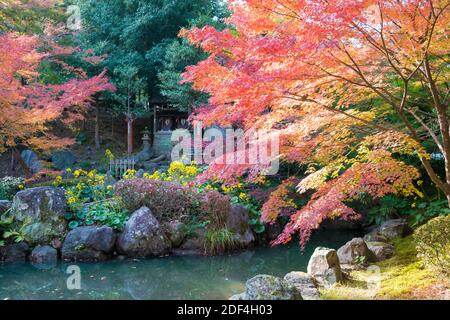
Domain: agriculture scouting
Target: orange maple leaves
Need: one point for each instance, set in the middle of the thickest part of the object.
(26, 106)
(301, 66)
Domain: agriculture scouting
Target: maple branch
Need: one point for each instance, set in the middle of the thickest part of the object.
(303, 99)
(427, 128)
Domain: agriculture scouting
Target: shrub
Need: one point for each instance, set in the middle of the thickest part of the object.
(9, 186)
(241, 194)
(423, 211)
(433, 243)
(216, 207)
(168, 201)
(171, 201)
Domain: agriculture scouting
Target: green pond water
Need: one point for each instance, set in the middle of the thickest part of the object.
(164, 278)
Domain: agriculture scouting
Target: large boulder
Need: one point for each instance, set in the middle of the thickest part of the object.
(40, 211)
(90, 243)
(389, 230)
(176, 232)
(393, 229)
(355, 252)
(16, 252)
(32, 161)
(237, 223)
(375, 236)
(324, 267)
(265, 287)
(381, 250)
(305, 284)
(143, 236)
(238, 297)
(44, 256)
(5, 205)
(62, 160)
(193, 245)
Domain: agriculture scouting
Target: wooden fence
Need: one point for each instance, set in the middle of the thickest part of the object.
(119, 167)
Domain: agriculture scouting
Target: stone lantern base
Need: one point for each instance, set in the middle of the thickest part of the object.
(162, 144)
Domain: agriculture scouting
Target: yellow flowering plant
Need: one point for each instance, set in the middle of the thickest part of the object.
(85, 187)
(130, 174)
(178, 172)
(91, 201)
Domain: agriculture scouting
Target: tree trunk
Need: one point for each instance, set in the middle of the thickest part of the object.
(129, 121)
(444, 125)
(130, 135)
(13, 162)
(26, 170)
(97, 130)
(112, 126)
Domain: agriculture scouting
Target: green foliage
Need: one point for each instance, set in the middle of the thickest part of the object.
(388, 206)
(90, 201)
(30, 19)
(191, 227)
(110, 213)
(85, 165)
(10, 231)
(433, 243)
(404, 277)
(361, 260)
(426, 210)
(9, 186)
(81, 137)
(417, 212)
(136, 36)
(178, 55)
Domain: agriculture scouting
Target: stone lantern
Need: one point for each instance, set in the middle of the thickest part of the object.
(146, 139)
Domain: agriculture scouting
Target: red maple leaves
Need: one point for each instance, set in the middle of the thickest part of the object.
(27, 106)
(300, 66)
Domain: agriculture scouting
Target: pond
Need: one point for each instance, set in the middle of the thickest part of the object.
(205, 278)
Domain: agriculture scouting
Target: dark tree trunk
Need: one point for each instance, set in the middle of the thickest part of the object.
(13, 162)
(26, 170)
(130, 135)
(97, 130)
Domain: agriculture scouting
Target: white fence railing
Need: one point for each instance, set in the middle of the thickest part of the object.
(119, 167)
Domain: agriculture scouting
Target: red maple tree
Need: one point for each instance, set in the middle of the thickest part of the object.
(302, 66)
(28, 107)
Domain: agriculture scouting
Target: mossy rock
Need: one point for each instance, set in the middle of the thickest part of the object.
(39, 214)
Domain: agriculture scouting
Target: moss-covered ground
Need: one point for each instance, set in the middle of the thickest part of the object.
(404, 276)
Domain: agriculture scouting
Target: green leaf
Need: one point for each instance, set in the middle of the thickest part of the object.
(73, 225)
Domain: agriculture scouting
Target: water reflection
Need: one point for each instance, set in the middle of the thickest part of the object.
(166, 278)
